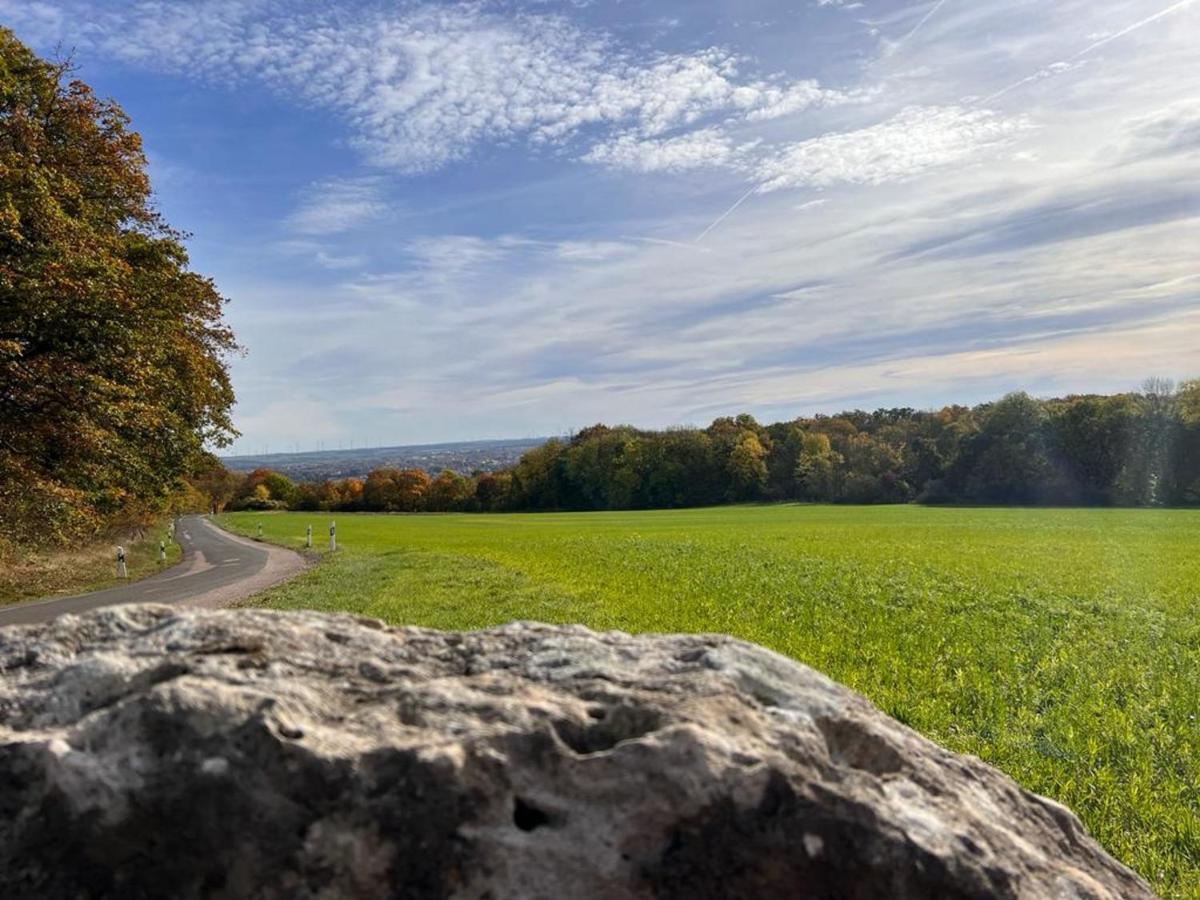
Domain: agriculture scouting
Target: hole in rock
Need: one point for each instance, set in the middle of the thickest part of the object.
(621, 723)
(852, 743)
(527, 817)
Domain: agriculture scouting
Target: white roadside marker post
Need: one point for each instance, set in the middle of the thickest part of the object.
(259, 532)
(122, 572)
(162, 552)
(332, 536)
(308, 537)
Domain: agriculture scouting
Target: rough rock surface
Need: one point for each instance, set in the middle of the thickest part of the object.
(157, 752)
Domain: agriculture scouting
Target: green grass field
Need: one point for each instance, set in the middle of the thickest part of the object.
(1061, 645)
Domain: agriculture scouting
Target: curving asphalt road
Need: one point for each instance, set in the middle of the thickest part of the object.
(216, 569)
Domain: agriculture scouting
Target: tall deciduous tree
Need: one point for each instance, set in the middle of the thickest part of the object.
(1092, 437)
(113, 353)
(1006, 461)
(816, 467)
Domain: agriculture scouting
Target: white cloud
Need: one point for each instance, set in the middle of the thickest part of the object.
(912, 141)
(423, 85)
(458, 252)
(291, 421)
(337, 205)
(1172, 129)
(328, 260)
(702, 149)
(1113, 358)
(324, 257)
(591, 251)
(773, 102)
(39, 20)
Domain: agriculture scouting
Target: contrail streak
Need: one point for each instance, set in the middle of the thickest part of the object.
(1049, 70)
(929, 15)
(725, 215)
(1043, 72)
(1124, 31)
(666, 243)
(1040, 73)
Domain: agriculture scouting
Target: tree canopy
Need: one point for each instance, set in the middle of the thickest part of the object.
(113, 354)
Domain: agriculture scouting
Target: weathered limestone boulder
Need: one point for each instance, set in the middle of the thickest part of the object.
(154, 752)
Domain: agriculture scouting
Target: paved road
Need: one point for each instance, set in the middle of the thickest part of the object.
(213, 564)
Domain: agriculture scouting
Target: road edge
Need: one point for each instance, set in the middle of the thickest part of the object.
(282, 565)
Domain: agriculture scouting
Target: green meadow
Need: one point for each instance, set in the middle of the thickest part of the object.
(1062, 646)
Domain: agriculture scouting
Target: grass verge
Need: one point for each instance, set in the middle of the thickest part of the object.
(76, 570)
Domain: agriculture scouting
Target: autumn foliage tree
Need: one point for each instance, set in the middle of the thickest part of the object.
(450, 492)
(215, 485)
(395, 490)
(113, 353)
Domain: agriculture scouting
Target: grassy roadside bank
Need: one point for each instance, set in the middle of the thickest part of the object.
(1062, 646)
(76, 570)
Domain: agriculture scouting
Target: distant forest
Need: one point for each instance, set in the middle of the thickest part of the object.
(1133, 449)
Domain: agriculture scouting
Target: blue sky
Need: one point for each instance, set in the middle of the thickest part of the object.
(441, 221)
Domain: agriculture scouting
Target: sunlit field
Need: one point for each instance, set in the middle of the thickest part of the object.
(1061, 645)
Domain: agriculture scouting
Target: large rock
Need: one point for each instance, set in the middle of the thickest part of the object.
(153, 752)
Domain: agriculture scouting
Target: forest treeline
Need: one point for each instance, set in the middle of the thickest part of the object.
(1133, 449)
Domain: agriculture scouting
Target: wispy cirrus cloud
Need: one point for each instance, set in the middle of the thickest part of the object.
(337, 205)
(907, 144)
(1172, 129)
(914, 140)
(424, 85)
